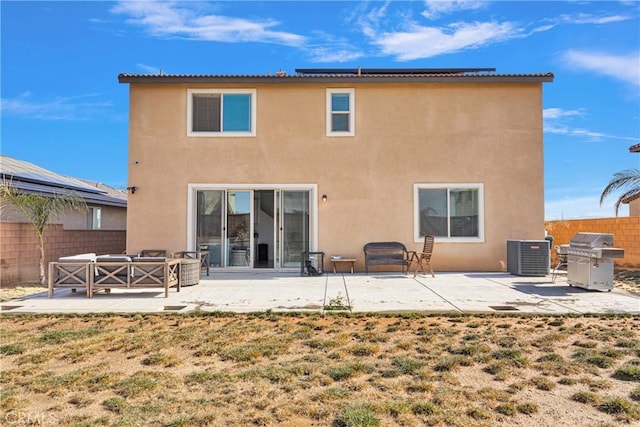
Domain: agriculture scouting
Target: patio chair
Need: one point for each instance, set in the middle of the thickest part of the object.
(562, 261)
(423, 258)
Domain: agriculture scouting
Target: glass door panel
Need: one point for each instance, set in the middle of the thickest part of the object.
(209, 224)
(295, 227)
(264, 223)
(239, 228)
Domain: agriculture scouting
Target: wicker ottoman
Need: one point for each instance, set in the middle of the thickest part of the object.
(189, 272)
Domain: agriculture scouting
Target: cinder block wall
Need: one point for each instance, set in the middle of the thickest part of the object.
(626, 233)
(20, 256)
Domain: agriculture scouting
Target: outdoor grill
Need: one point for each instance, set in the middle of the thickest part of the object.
(590, 261)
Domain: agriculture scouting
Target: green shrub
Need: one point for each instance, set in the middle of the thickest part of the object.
(408, 365)
(347, 370)
(506, 409)
(425, 408)
(527, 408)
(586, 397)
(617, 405)
(360, 415)
(115, 404)
(628, 373)
(11, 349)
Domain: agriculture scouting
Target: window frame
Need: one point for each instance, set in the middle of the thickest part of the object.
(352, 111)
(449, 186)
(222, 133)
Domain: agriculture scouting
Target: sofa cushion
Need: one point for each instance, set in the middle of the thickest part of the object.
(113, 258)
(88, 257)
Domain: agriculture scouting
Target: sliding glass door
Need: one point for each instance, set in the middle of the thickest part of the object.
(295, 226)
(253, 228)
(239, 228)
(210, 220)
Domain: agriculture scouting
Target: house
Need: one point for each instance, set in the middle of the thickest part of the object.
(256, 169)
(100, 229)
(633, 202)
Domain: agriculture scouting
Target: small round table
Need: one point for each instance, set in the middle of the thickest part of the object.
(189, 272)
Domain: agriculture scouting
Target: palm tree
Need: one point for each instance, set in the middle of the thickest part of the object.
(39, 210)
(629, 180)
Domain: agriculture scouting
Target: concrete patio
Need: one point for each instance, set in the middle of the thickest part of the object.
(378, 292)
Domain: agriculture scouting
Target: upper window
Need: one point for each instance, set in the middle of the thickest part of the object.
(449, 211)
(221, 112)
(340, 112)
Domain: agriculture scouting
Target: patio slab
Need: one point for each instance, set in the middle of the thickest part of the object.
(258, 291)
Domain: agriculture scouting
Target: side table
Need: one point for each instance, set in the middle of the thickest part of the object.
(189, 272)
(202, 256)
(336, 261)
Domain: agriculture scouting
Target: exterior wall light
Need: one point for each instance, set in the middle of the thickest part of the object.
(324, 197)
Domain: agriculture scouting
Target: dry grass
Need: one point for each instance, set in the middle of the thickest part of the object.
(336, 370)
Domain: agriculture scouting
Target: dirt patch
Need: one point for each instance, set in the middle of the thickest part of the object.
(18, 291)
(627, 280)
(311, 370)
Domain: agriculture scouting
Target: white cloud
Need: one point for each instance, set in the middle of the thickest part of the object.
(333, 54)
(436, 8)
(620, 67)
(60, 108)
(425, 42)
(561, 122)
(556, 113)
(584, 18)
(148, 69)
(191, 20)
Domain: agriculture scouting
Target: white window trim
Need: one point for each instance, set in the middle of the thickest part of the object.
(416, 211)
(352, 111)
(222, 134)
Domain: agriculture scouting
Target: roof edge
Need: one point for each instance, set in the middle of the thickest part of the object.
(336, 78)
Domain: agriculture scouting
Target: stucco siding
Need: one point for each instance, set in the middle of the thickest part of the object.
(405, 134)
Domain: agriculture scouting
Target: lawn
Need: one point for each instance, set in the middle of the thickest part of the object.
(223, 369)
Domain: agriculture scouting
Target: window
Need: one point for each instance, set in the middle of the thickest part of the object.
(340, 112)
(449, 211)
(216, 112)
(94, 218)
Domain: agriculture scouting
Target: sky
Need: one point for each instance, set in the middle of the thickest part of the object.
(63, 109)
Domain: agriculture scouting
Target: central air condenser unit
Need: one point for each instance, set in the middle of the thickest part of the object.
(528, 257)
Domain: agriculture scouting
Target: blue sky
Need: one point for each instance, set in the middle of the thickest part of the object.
(63, 109)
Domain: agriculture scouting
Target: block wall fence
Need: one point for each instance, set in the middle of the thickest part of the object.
(626, 232)
(20, 256)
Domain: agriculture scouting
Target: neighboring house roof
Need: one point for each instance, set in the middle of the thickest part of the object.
(630, 199)
(30, 178)
(635, 148)
(333, 75)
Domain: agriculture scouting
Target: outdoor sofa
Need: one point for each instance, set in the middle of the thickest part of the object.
(386, 253)
(95, 273)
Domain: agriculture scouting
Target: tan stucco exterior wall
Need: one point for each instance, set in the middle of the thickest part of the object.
(488, 133)
(634, 207)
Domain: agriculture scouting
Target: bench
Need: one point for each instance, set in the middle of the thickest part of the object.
(114, 271)
(385, 253)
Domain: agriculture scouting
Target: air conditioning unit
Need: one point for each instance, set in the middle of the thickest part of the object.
(528, 257)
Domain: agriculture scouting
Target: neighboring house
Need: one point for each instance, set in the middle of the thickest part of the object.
(258, 168)
(633, 202)
(107, 207)
(100, 229)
